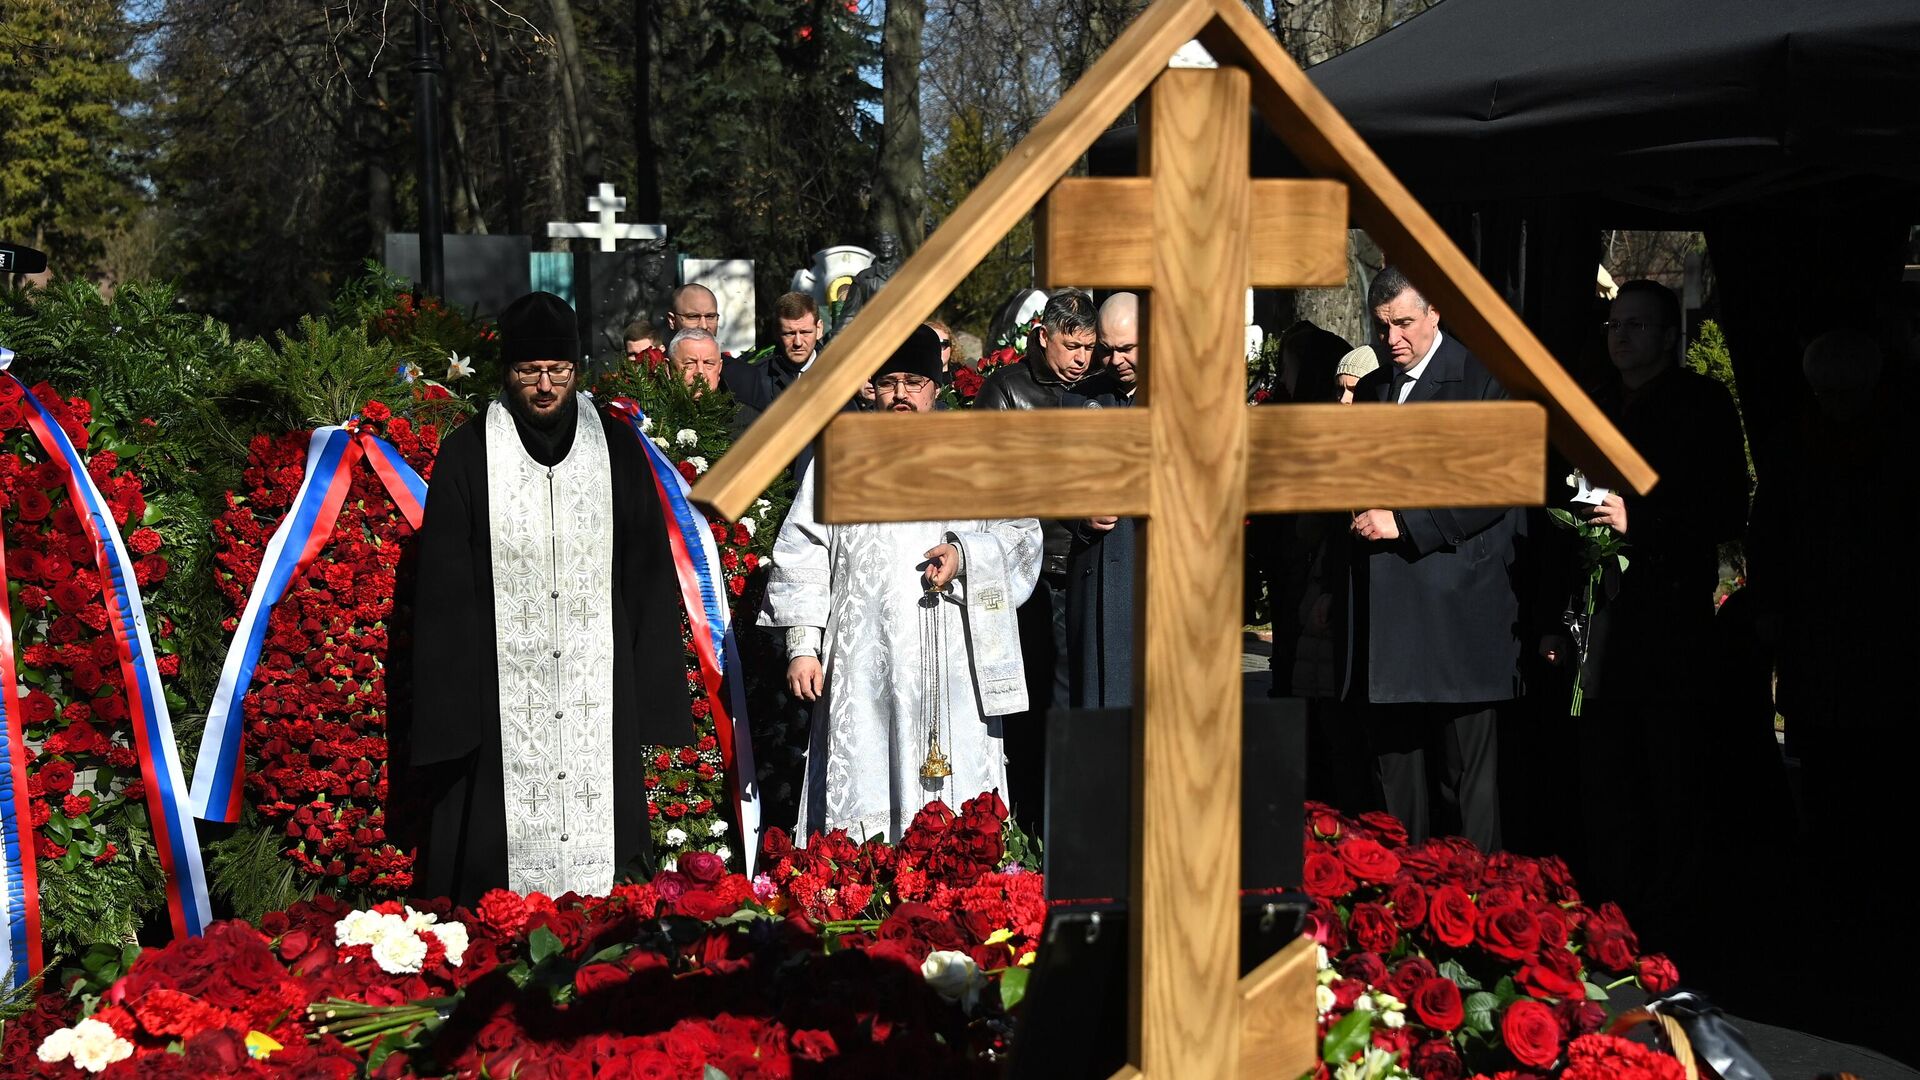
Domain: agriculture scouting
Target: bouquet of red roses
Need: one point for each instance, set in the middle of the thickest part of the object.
(1445, 959)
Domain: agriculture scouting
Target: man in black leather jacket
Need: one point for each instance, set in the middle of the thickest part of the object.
(1059, 358)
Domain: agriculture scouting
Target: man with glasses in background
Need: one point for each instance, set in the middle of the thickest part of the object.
(692, 306)
(547, 615)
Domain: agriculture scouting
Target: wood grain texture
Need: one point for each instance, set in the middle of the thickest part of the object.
(1278, 1033)
(1065, 463)
(999, 202)
(1305, 458)
(1310, 126)
(1186, 798)
(1091, 234)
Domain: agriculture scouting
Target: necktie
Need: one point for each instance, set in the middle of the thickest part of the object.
(1401, 380)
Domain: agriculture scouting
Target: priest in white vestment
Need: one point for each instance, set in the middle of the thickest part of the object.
(547, 650)
(903, 635)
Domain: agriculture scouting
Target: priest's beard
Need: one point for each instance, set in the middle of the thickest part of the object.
(546, 436)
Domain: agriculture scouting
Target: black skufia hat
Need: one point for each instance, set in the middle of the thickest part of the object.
(918, 355)
(539, 326)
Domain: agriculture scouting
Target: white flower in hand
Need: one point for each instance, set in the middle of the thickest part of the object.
(458, 367)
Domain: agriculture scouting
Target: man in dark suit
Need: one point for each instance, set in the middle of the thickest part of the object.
(1436, 619)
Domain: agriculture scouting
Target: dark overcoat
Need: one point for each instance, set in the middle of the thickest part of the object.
(1436, 613)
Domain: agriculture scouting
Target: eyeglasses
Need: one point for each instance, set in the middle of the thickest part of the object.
(559, 376)
(946, 343)
(688, 316)
(912, 384)
(1633, 326)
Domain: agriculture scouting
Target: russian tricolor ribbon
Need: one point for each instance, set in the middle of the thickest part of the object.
(703, 591)
(21, 950)
(166, 787)
(219, 776)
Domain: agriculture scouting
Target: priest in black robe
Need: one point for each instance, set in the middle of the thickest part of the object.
(547, 648)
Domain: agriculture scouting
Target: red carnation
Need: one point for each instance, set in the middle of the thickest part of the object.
(76, 805)
(144, 541)
(376, 411)
(504, 911)
(1531, 1033)
(1437, 1003)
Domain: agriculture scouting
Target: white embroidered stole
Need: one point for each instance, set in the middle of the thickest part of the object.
(551, 533)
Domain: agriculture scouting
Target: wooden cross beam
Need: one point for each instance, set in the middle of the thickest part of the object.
(1193, 459)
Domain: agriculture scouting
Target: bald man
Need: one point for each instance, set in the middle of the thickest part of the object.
(693, 307)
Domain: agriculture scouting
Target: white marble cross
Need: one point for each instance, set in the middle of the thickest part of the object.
(606, 230)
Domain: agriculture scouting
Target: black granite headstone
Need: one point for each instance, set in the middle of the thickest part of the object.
(612, 289)
(484, 273)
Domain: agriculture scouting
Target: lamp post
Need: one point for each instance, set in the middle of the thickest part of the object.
(426, 68)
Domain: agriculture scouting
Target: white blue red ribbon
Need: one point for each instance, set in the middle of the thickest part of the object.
(167, 794)
(20, 946)
(703, 590)
(219, 776)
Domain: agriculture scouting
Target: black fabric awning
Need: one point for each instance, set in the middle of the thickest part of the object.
(1678, 105)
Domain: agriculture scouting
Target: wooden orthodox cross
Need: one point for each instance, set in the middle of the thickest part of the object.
(1195, 460)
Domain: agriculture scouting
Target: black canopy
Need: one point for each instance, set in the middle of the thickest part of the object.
(1682, 106)
(1661, 104)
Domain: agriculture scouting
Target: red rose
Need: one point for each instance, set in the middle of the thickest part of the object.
(1510, 933)
(1542, 981)
(1366, 966)
(705, 905)
(1436, 1059)
(593, 977)
(1437, 1004)
(1368, 861)
(39, 707)
(1409, 976)
(1450, 915)
(1326, 877)
(812, 1045)
(1373, 928)
(1385, 826)
(1531, 1033)
(1580, 1017)
(702, 867)
(1325, 823)
(1657, 974)
(1409, 904)
(57, 776)
(33, 505)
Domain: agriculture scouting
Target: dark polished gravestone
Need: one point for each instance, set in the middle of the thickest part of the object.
(484, 273)
(1073, 1025)
(614, 288)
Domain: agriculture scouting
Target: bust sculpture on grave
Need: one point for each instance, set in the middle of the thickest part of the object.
(886, 263)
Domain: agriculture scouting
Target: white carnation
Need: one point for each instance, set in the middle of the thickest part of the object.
(724, 852)
(699, 463)
(686, 436)
(453, 937)
(748, 524)
(91, 1044)
(646, 424)
(359, 928)
(399, 951)
(758, 504)
(676, 836)
(716, 828)
(420, 920)
(670, 864)
(658, 441)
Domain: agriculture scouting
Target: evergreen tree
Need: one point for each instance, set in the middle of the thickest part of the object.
(69, 158)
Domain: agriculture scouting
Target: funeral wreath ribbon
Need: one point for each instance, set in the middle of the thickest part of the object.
(332, 452)
(167, 796)
(702, 591)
